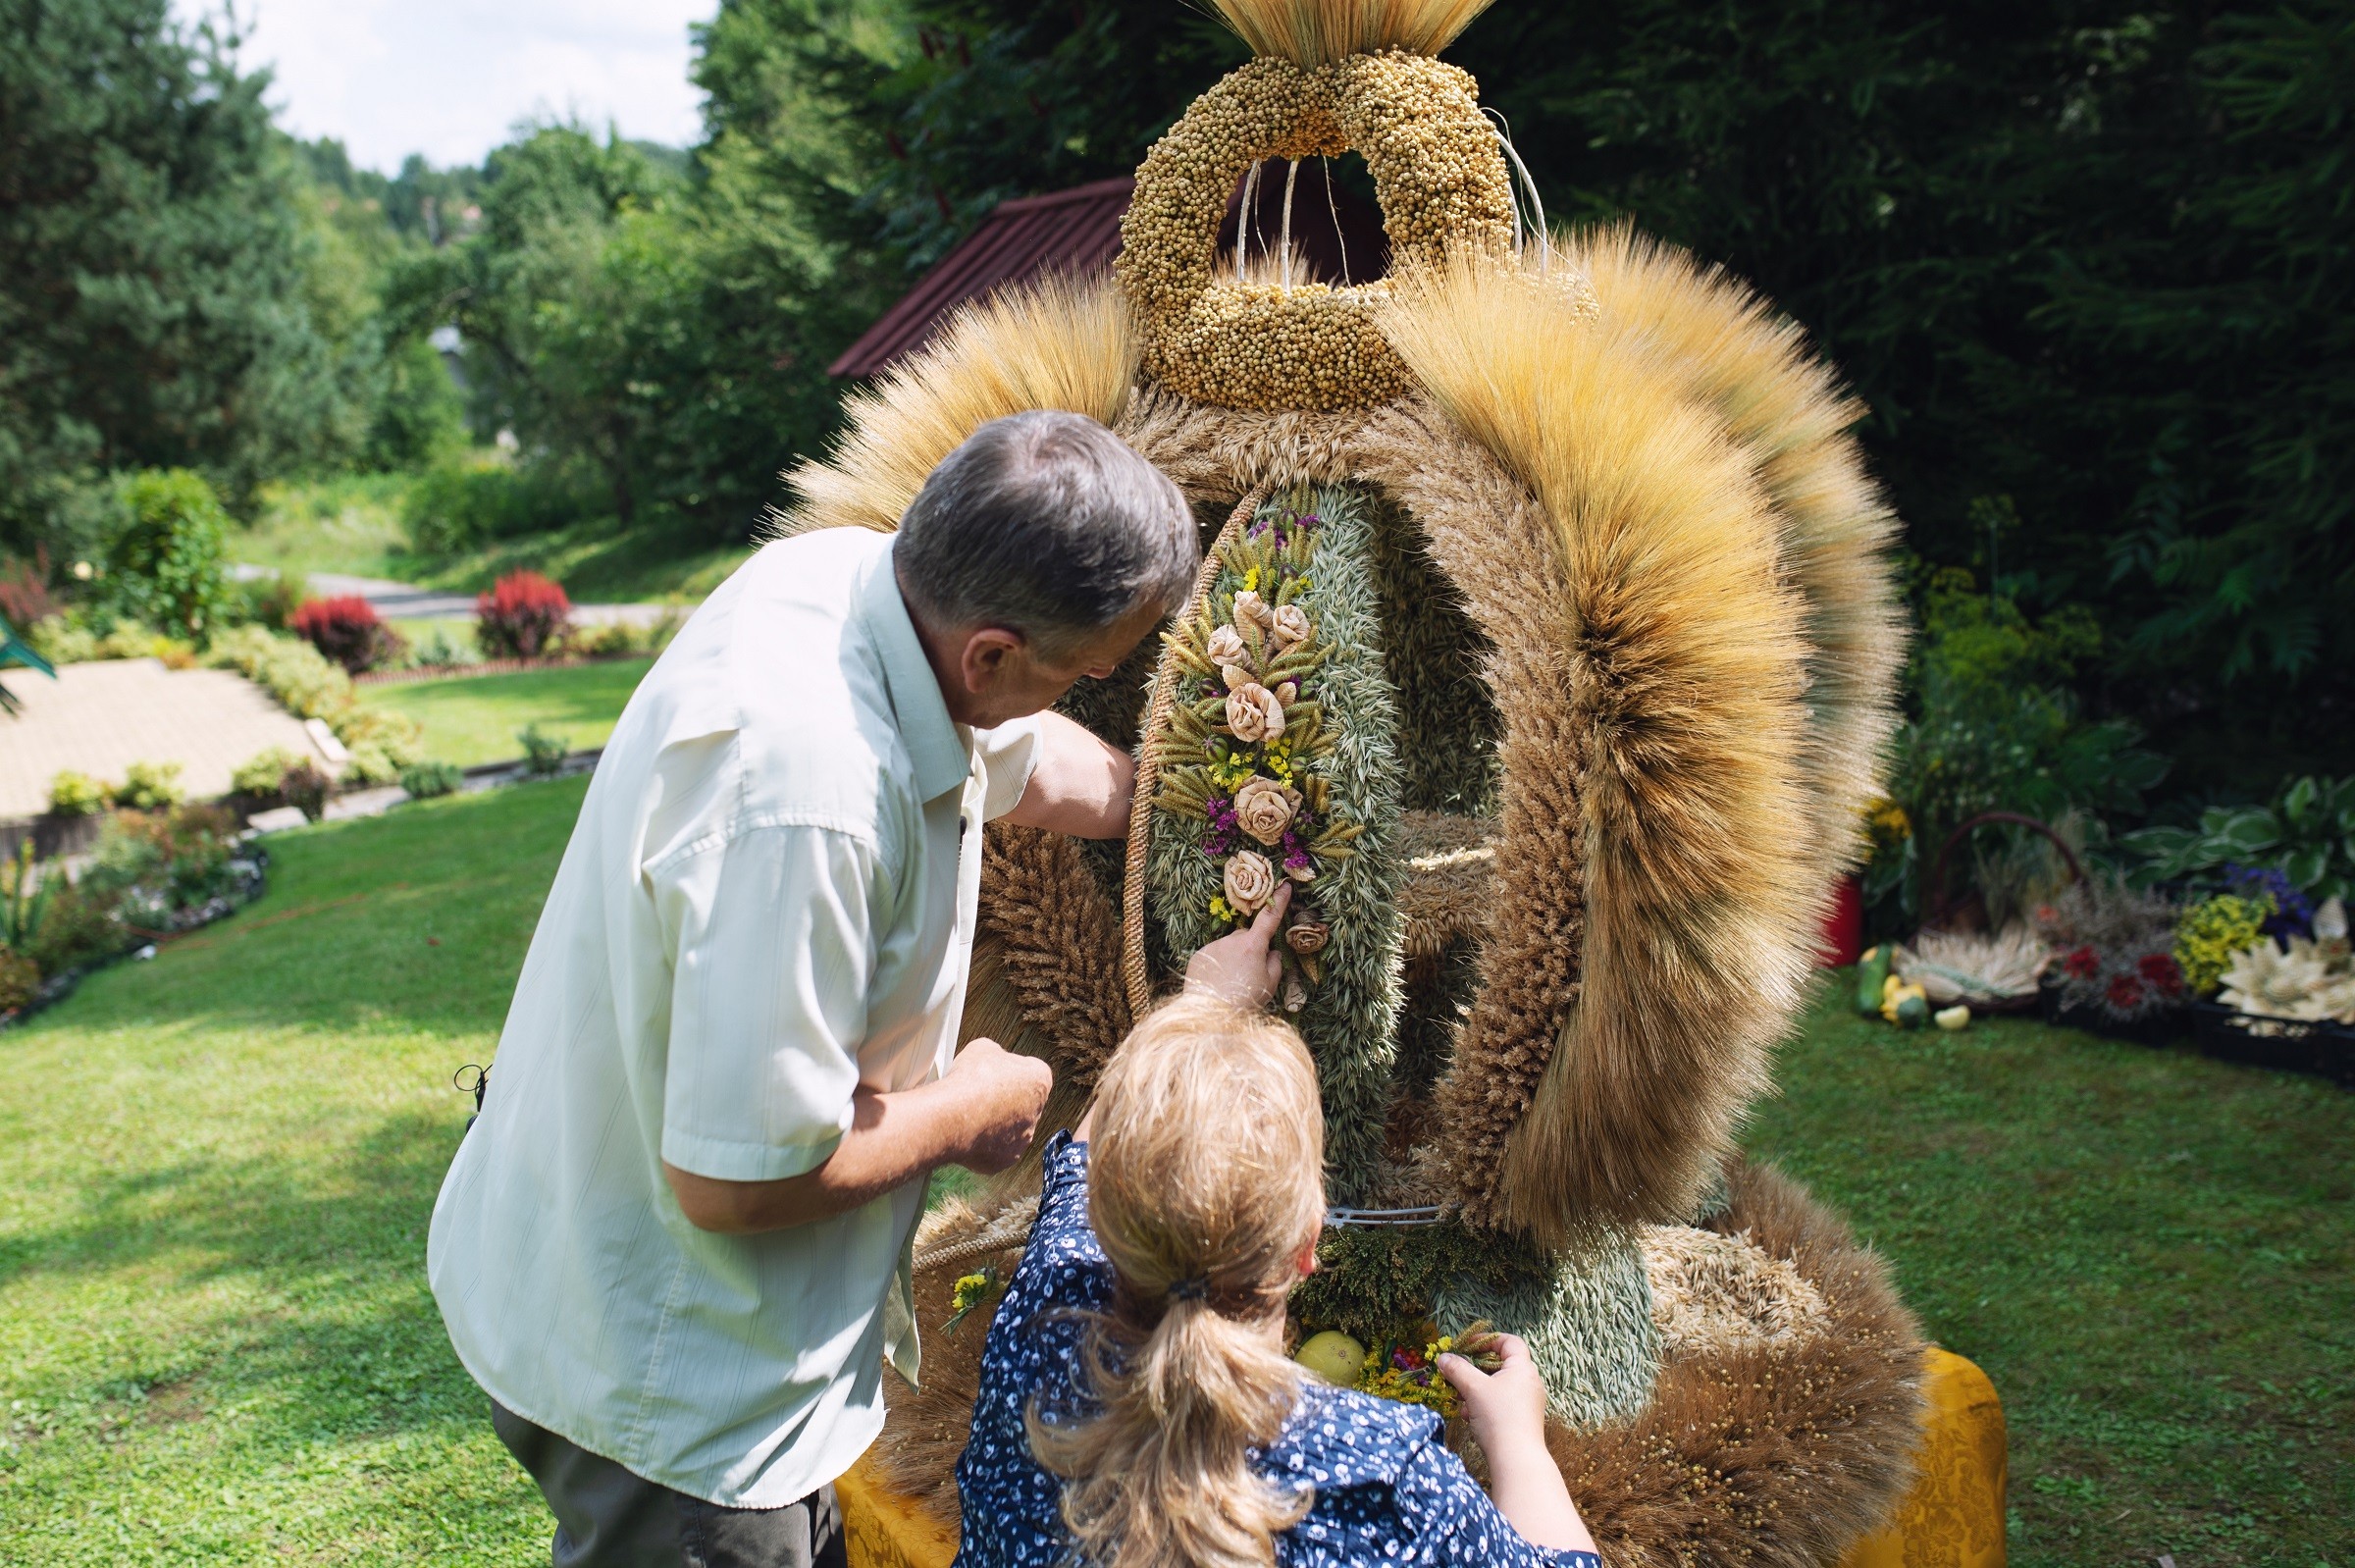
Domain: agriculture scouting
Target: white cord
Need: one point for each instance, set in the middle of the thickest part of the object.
(1291, 178)
(1505, 140)
(1333, 208)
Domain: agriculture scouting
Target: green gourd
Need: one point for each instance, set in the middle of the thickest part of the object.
(1872, 974)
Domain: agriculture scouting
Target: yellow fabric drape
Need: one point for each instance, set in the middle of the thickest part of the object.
(1953, 1518)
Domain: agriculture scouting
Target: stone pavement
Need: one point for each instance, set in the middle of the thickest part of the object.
(99, 719)
(405, 602)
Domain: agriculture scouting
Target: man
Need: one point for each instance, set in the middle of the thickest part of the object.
(669, 1247)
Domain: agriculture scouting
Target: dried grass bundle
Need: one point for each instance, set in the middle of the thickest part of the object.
(1315, 32)
(1971, 966)
(1064, 342)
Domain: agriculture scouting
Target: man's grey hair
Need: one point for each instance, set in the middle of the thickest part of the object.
(1046, 524)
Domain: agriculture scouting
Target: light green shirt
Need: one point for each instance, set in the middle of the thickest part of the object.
(768, 900)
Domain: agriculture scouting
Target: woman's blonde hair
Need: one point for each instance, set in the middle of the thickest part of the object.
(1205, 1186)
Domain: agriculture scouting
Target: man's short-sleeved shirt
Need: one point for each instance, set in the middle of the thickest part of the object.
(767, 902)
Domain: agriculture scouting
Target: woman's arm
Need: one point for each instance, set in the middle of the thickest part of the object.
(1507, 1411)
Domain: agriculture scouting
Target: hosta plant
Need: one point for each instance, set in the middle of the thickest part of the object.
(2308, 833)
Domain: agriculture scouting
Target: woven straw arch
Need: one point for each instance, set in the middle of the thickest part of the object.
(1438, 171)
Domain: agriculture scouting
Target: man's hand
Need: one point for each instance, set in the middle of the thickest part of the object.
(1242, 967)
(1004, 1095)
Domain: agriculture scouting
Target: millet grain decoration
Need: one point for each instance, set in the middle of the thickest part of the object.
(1438, 175)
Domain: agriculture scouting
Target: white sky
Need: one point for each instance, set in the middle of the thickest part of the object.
(448, 77)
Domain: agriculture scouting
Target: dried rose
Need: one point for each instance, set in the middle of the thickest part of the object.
(1227, 647)
(1250, 883)
(1292, 626)
(1253, 714)
(1250, 608)
(1305, 937)
(1265, 808)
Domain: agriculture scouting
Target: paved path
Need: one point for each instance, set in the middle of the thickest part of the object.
(405, 602)
(99, 719)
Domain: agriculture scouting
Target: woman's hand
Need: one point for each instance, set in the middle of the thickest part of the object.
(1241, 968)
(1507, 1412)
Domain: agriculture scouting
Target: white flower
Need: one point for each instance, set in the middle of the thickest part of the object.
(1227, 647)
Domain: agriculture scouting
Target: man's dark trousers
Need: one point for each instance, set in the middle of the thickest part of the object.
(609, 1518)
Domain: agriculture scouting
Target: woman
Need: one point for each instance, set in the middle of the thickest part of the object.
(1136, 1406)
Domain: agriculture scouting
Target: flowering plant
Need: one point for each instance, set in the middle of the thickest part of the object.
(1398, 1371)
(2115, 948)
(969, 1292)
(1247, 739)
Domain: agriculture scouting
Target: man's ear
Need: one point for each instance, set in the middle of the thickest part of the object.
(988, 654)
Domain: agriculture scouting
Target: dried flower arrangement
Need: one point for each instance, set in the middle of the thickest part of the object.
(1280, 762)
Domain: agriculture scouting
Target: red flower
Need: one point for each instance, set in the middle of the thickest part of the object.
(2126, 992)
(2082, 965)
(2160, 969)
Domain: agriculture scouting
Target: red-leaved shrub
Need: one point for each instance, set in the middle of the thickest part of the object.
(24, 591)
(521, 617)
(346, 630)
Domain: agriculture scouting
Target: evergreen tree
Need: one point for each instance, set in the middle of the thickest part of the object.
(154, 302)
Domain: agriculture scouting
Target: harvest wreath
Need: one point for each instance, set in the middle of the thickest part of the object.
(1547, 648)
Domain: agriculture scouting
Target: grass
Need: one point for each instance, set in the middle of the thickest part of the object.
(216, 1342)
(470, 719)
(2151, 1254)
(352, 523)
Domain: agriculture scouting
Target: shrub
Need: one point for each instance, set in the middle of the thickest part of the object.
(522, 617)
(425, 780)
(2117, 950)
(150, 787)
(2211, 932)
(19, 980)
(543, 752)
(346, 630)
(69, 639)
(306, 787)
(372, 763)
(164, 563)
(463, 500)
(24, 601)
(156, 864)
(78, 927)
(2308, 834)
(72, 794)
(304, 682)
(273, 602)
(259, 779)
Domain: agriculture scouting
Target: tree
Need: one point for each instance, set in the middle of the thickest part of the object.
(153, 291)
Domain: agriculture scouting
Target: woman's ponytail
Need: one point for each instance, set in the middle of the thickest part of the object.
(1205, 1188)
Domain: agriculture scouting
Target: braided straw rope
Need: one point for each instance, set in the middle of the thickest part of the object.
(1009, 1229)
(1148, 770)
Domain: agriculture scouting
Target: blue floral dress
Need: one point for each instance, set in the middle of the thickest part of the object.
(1388, 1490)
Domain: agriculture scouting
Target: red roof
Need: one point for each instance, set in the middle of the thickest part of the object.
(1078, 230)
(1073, 230)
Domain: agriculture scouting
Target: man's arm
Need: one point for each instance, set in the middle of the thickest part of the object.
(980, 1113)
(1080, 786)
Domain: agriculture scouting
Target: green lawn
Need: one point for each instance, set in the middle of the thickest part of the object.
(352, 523)
(215, 1344)
(474, 718)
